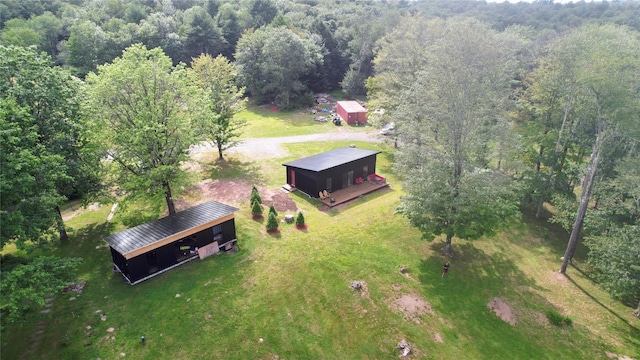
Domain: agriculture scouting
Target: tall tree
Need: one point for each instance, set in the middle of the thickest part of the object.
(50, 97)
(272, 62)
(606, 61)
(200, 33)
(262, 12)
(229, 24)
(142, 107)
(616, 258)
(445, 115)
(85, 44)
(217, 122)
(25, 287)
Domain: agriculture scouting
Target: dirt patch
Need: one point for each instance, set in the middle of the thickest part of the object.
(611, 355)
(411, 306)
(438, 338)
(232, 192)
(279, 199)
(502, 310)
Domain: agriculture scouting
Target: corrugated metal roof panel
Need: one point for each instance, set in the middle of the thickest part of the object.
(352, 106)
(157, 230)
(330, 159)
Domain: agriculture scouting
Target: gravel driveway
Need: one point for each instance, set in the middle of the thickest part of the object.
(264, 148)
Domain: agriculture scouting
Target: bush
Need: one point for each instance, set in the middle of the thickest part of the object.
(256, 209)
(300, 219)
(557, 319)
(568, 321)
(272, 222)
(272, 210)
(255, 196)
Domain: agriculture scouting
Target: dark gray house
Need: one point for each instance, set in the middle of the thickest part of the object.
(332, 170)
(155, 247)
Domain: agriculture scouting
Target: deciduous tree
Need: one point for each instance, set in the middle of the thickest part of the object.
(605, 61)
(272, 62)
(143, 109)
(222, 101)
(43, 103)
(445, 118)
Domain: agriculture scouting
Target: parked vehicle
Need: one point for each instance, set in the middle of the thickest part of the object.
(388, 129)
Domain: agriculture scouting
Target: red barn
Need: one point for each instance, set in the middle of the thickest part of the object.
(351, 112)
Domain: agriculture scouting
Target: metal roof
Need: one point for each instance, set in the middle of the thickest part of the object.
(155, 231)
(352, 106)
(330, 159)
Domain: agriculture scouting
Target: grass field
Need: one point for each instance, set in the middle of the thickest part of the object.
(287, 296)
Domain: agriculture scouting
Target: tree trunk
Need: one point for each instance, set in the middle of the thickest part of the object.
(446, 250)
(540, 207)
(539, 160)
(585, 194)
(220, 157)
(170, 205)
(61, 228)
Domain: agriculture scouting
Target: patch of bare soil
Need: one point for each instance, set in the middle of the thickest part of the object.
(502, 310)
(611, 355)
(438, 338)
(280, 200)
(411, 306)
(232, 192)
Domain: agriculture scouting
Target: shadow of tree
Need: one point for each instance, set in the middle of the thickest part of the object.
(473, 279)
(231, 168)
(545, 234)
(632, 330)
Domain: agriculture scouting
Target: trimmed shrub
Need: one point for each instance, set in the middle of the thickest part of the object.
(300, 219)
(255, 196)
(256, 209)
(272, 210)
(272, 222)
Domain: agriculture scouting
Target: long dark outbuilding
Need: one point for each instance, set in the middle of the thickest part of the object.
(149, 249)
(332, 170)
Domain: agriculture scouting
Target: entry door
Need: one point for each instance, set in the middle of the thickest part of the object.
(347, 179)
(292, 177)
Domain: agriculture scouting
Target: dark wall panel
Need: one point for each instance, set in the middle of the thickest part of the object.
(138, 267)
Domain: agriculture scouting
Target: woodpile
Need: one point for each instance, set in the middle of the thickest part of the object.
(322, 98)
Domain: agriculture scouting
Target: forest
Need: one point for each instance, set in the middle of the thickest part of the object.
(500, 110)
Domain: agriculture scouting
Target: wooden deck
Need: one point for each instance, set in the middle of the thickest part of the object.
(352, 192)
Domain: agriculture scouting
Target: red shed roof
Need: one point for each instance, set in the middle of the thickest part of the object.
(352, 106)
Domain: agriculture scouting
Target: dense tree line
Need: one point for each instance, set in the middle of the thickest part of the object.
(558, 122)
(82, 34)
(498, 107)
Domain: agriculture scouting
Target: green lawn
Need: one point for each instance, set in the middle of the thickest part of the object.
(262, 122)
(287, 296)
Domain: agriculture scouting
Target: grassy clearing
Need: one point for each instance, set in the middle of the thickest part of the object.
(262, 122)
(288, 295)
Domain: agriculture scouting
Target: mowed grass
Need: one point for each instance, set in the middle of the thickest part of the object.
(287, 296)
(263, 122)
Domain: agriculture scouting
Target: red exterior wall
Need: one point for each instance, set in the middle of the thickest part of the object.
(351, 111)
